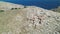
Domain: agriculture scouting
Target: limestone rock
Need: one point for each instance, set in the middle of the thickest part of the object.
(30, 20)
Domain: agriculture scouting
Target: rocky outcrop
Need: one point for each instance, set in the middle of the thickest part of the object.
(30, 20)
(41, 21)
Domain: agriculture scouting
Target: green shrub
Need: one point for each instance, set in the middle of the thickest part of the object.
(15, 8)
(12, 8)
(1, 10)
(24, 6)
(19, 8)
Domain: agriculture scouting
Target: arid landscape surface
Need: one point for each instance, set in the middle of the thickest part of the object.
(28, 20)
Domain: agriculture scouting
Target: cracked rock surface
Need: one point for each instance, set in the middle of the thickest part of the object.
(30, 20)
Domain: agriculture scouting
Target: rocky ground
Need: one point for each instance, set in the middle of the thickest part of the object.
(56, 9)
(29, 20)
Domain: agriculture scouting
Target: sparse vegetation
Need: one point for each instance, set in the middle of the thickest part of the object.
(56, 9)
(1, 10)
(15, 8)
(24, 6)
(12, 8)
(19, 8)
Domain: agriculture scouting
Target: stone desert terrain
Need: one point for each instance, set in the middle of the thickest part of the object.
(28, 20)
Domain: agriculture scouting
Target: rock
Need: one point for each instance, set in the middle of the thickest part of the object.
(30, 20)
